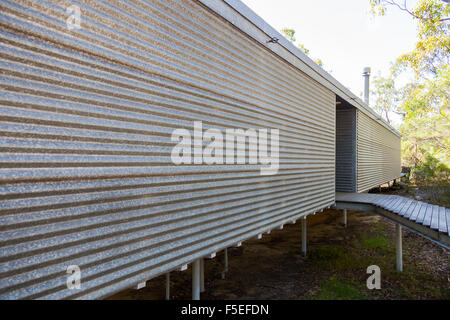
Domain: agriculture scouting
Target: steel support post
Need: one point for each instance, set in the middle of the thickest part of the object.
(202, 275)
(304, 236)
(167, 286)
(225, 258)
(196, 280)
(398, 247)
(345, 218)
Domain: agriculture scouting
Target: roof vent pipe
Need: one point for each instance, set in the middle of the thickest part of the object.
(366, 75)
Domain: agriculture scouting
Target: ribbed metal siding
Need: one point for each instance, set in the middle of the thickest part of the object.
(378, 154)
(346, 149)
(86, 120)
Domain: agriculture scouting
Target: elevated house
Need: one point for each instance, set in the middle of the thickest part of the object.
(115, 135)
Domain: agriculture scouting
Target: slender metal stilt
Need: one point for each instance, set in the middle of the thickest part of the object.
(202, 275)
(398, 247)
(225, 257)
(196, 280)
(168, 286)
(345, 218)
(304, 236)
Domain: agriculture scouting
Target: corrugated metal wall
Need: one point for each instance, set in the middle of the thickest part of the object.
(378, 154)
(86, 176)
(346, 149)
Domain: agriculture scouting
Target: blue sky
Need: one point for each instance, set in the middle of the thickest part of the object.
(343, 34)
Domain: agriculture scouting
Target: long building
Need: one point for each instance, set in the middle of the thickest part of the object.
(115, 125)
(367, 154)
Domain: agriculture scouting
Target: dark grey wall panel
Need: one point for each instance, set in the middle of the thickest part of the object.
(346, 149)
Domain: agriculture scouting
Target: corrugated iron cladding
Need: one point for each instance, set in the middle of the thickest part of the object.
(378, 154)
(86, 115)
(346, 149)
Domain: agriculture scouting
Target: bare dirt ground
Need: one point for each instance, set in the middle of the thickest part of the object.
(335, 267)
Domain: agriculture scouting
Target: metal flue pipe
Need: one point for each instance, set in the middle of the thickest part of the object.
(366, 75)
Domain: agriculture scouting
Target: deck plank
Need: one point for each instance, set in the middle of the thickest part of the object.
(447, 217)
(378, 201)
(416, 212)
(427, 217)
(421, 214)
(401, 205)
(362, 199)
(392, 199)
(392, 204)
(442, 222)
(404, 210)
(435, 218)
(382, 200)
(432, 216)
(411, 209)
(388, 201)
(397, 204)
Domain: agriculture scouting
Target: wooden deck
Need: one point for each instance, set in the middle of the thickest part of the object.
(413, 214)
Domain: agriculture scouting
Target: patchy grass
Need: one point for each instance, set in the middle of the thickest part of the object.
(437, 194)
(376, 243)
(335, 267)
(331, 258)
(336, 258)
(336, 289)
(418, 283)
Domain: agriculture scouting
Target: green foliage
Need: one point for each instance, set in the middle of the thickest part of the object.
(290, 35)
(417, 281)
(335, 289)
(432, 50)
(386, 96)
(426, 124)
(303, 49)
(431, 172)
(376, 243)
(424, 101)
(334, 258)
(318, 62)
(377, 8)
